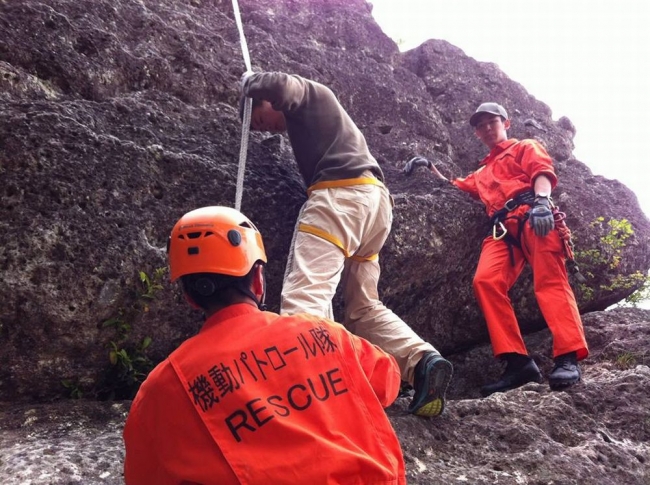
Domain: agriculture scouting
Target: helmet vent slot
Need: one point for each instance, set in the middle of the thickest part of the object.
(249, 225)
(194, 235)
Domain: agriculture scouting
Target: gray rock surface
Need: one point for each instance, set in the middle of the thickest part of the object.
(118, 117)
(595, 433)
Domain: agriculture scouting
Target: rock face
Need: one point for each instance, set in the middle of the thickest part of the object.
(118, 117)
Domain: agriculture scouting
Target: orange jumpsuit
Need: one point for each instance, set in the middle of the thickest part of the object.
(509, 170)
(258, 398)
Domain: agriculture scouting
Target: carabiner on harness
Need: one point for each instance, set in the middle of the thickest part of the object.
(510, 205)
(499, 226)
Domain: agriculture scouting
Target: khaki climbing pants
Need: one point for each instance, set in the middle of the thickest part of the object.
(338, 236)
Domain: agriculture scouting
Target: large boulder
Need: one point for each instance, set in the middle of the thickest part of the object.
(120, 116)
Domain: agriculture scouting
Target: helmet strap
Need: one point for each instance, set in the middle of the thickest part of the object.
(247, 291)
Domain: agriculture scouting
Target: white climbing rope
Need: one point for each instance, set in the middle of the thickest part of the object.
(242, 38)
(246, 124)
(246, 121)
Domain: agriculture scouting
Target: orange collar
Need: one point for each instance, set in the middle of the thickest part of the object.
(231, 311)
(499, 148)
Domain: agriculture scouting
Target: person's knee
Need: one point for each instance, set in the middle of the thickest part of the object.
(356, 310)
(485, 281)
(482, 280)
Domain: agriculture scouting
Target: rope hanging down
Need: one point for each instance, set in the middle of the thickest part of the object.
(246, 121)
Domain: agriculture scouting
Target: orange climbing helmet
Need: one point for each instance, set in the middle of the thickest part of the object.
(214, 239)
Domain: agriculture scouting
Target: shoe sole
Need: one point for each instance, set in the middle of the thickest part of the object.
(439, 378)
(558, 385)
(539, 379)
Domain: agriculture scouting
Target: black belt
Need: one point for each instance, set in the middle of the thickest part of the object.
(496, 221)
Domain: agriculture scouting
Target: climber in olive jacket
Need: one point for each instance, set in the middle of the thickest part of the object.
(342, 226)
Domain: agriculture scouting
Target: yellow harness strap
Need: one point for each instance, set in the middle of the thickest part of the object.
(329, 184)
(336, 241)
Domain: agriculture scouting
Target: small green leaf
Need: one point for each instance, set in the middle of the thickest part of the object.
(111, 322)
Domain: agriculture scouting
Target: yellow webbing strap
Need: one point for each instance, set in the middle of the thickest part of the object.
(329, 184)
(336, 241)
(363, 259)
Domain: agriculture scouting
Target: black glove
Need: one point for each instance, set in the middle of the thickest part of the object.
(541, 216)
(415, 162)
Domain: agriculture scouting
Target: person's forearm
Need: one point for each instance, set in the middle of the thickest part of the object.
(437, 173)
(283, 91)
(542, 185)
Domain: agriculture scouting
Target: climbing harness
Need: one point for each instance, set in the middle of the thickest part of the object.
(329, 184)
(246, 119)
(315, 231)
(500, 232)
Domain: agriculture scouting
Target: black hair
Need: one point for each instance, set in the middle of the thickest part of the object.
(210, 290)
(242, 105)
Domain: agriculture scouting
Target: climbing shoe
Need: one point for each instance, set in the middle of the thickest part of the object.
(565, 372)
(432, 376)
(520, 370)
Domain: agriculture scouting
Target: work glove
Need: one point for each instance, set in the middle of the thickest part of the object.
(415, 162)
(541, 216)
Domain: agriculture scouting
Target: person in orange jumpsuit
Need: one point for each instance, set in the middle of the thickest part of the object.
(514, 181)
(256, 397)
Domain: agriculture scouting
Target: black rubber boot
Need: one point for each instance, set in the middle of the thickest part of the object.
(565, 373)
(520, 370)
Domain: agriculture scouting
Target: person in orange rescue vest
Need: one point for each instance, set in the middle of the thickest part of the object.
(256, 397)
(342, 226)
(514, 181)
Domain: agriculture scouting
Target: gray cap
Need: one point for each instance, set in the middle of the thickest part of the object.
(492, 108)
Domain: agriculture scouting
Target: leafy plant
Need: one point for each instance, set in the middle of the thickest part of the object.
(626, 360)
(121, 326)
(130, 367)
(74, 391)
(151, 285)
(129, 362)
(607, 260)
(640, 295)
(616, 233)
